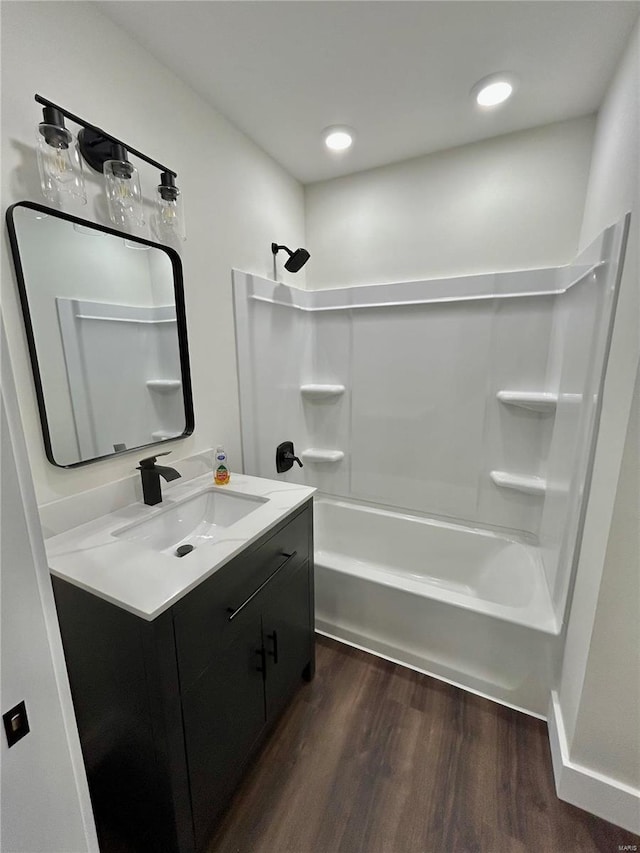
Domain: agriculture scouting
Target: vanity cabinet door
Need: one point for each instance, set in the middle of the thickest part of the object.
(203, 614)
(224, 715)
(286, 634)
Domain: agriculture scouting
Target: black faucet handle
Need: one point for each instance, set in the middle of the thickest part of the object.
(285, 457)
(150, 461)
(293, 458)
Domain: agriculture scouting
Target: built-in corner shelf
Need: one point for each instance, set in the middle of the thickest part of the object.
(321, 392)
(530, 485)
(314, 454)
(164, 386)
(542, 402)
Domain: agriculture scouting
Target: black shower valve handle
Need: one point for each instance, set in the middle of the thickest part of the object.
(289, 455)
(285, 457)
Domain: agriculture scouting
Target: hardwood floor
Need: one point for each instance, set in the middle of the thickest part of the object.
(374, 758)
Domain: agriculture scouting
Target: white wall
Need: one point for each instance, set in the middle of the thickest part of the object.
(237, 200)
(45, 799)
(601, 650)
(511, 202)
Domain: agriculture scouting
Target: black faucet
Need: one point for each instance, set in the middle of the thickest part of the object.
(151, 473)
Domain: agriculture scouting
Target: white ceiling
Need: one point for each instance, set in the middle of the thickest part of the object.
(398, 72)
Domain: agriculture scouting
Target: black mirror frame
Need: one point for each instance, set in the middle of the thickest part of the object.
(181, 324)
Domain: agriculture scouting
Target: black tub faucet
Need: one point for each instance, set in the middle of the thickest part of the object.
(151, 473)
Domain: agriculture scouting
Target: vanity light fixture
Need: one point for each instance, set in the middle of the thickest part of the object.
(168, 221)
(59, 161)
(122, 186)
(110, 156)
(338, 137)
(494, 89)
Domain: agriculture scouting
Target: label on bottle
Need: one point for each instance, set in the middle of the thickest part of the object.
(221, 476)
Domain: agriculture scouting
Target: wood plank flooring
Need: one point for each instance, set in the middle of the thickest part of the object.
(374, 758)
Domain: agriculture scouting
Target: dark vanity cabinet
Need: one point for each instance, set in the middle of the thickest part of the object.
(170, 712)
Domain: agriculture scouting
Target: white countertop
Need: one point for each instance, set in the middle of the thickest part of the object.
(147, 582)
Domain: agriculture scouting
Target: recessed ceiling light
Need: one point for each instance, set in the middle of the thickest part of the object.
(493, 90)
(338, 138)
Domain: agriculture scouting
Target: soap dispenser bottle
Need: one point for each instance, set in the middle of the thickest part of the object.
(221, 475)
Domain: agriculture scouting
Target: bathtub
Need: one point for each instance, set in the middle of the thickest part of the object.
(465, 605)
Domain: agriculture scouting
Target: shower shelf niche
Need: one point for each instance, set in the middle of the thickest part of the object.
(164, 386)
(542, 402)
(529, 484)
(321, 392)
(314, 454)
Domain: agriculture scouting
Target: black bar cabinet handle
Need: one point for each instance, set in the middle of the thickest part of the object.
(274, 639)
(235, 612)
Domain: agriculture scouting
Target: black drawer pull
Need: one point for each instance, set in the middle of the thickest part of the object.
(235, 612)
(274, 639)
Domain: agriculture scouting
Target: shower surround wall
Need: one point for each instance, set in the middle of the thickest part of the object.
(469, 402)
(418, 422)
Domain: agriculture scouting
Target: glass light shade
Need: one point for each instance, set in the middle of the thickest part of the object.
(168, 219)
(124, 196)
(60, 165)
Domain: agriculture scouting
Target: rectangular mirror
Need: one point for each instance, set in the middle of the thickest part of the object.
(105, 322)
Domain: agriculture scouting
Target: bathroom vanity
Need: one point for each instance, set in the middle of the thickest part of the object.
(176, 688)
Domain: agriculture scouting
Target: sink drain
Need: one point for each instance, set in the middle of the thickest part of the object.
(183, 550)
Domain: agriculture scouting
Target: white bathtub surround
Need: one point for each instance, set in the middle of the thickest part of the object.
(467, 605)
(321, 392)
(581, 335)
(435, 376)
(321, 456)
(99, 556)
(93, 381)
(411, 420)
(527, 484)
(473, 400)
(541, 402)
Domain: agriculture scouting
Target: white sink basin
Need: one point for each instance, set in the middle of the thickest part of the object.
(127, 557)
(197, 520)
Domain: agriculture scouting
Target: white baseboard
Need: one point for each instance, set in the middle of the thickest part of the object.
(589, 790)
